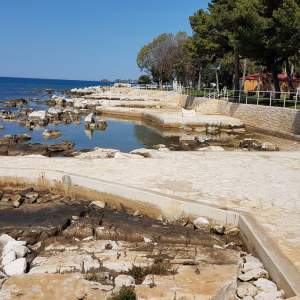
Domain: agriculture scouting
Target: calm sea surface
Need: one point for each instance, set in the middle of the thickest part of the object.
(35, 88)
(122, 135)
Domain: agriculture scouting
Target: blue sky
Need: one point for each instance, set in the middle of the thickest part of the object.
(84, 39)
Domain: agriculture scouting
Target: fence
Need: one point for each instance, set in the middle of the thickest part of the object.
(266, 98)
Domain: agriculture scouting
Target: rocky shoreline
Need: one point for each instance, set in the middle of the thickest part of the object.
(86, 247)
(90, 104)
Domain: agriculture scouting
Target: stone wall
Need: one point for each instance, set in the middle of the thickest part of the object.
(276, 120)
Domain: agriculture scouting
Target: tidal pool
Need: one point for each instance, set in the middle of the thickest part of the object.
(119, 134)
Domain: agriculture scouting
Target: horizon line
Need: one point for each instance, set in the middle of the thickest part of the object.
(21, 77)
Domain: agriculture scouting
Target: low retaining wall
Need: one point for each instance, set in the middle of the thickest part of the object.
(274, 120)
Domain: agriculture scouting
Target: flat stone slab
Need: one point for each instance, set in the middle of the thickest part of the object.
(170, 118)
(264, 185)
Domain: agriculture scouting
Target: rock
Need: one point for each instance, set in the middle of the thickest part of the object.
(159, 146)
(212, 148)
(32, 197)
(80, 231)
(124, 280)
(52, 287)
(232, 231)
(164, 149)
(12, 246)
(268, 296)
(42, 115)
(1, 127)
(55, 111)
(250, 144)
(246, 289)
(149, 280)
(98, 153)
(21, 251)
(254, 274)
(61, 149)
(5, 238)
(17, 267)
(248, 266)
(143, 152)
(89, 119)
(121, 155)
(147, 240)
(8, 258)
(218, 229)
(51, 134)
(251, 259)
(64, 262)
(99, 124)
(266, 146)
(36, 246)
(16, 200)
(61, 101)
(2, 275)
(99, 204)
(265, 285)
(200, 222)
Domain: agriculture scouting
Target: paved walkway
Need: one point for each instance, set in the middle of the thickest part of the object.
(265, 185)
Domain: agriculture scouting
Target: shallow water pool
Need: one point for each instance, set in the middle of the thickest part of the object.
(119, 134)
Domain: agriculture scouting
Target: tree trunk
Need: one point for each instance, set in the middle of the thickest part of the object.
(289, 75)
(236, 71)
(199, 78)
(244, 73)
(276, 80)
(217, 79)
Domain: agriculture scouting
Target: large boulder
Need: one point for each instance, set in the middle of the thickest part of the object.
(4, 239)
(61, 149)
(17, 267)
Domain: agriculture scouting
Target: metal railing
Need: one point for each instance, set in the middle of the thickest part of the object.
(267, 98)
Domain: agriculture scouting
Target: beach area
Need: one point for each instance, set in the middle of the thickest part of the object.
(118, 143)
(150, 151)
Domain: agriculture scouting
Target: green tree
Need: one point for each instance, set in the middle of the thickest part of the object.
(269, 32)
(144, 79)
(161, 56)
(214, 39)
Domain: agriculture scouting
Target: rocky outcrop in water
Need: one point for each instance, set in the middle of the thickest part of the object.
(51, 134)
(13, 146)
(15, 103)
(255, 145)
